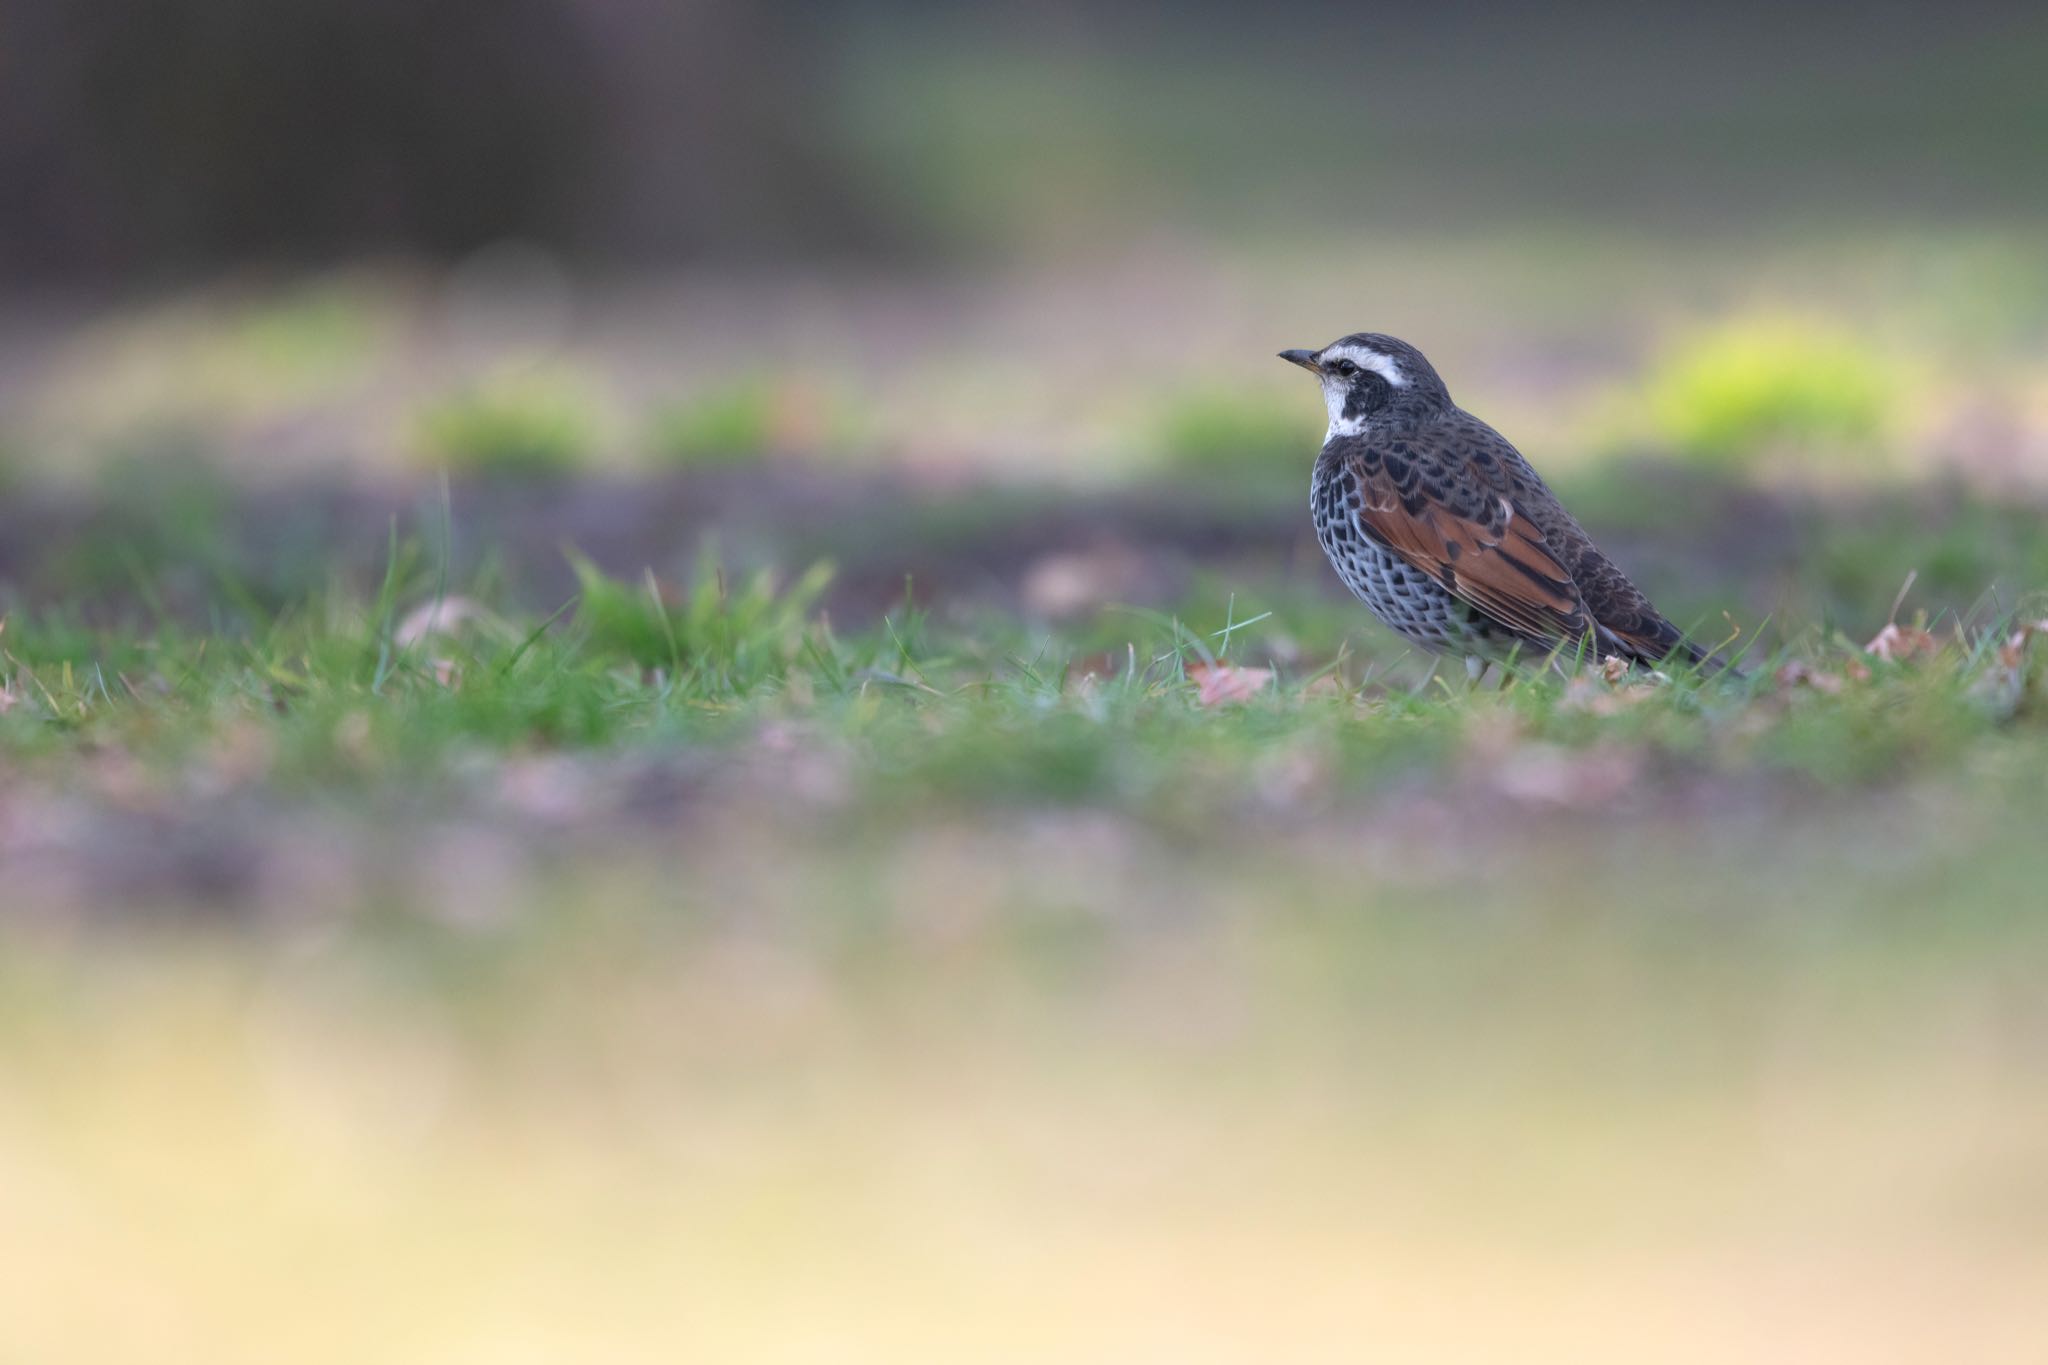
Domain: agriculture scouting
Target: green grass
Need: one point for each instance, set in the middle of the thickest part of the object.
(1971, 551)
(321, 333)
(743, 420)
(921, 714)
(1756, 389)
(1215, 434)
(521, 426)
(732, 425)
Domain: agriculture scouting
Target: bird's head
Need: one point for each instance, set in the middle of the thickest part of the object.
(1369, 378)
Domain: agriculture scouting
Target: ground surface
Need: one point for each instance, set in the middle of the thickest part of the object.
(536, 915)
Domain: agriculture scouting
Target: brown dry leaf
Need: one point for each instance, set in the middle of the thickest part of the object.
(1089, 672)
(1616, 687)
(441, 617)
(1084, 687)
(1221, 682)
(1328, 685)
(1797, 674)
(1900, 644)
(2013, 653)
(2004, 683)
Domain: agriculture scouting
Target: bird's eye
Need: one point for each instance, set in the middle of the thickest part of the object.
(1345, 369)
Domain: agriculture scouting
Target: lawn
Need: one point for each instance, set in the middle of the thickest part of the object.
(759, 871)
(1146, 984)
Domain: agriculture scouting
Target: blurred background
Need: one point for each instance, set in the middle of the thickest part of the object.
(315, 256)
(1035, 1049)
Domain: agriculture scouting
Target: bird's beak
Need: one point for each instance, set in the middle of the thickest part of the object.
(1305, 359)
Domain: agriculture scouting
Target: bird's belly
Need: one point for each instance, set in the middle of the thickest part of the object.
(1411, 603)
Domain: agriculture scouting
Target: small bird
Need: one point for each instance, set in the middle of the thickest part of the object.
(1440, 526)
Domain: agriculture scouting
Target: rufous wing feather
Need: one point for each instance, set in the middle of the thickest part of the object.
(1489, 555)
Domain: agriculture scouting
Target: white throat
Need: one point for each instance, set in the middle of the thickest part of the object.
(1340, 425)
(1334, 388)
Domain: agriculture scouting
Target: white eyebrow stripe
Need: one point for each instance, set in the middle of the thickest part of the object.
(1381, 365)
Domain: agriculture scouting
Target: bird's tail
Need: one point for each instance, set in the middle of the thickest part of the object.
(1660, 646)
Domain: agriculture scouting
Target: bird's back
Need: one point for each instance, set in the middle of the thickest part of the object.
(1612, 600)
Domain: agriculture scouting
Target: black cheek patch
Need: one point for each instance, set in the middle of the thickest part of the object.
(1367, 394)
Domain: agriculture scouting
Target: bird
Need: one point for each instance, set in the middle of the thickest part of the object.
(1436, 522)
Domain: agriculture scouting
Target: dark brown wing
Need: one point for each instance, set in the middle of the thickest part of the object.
(1622, 609)
(1629, 623)
(1457, 519)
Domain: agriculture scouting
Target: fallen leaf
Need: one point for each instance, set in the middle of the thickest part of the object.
(1617, 686)
(2013, 652)
(1797, 674)
(2004, 683)
(1899, 644)
(439, 617)
(1088, 672)
(1328, 685)
(1221, 682)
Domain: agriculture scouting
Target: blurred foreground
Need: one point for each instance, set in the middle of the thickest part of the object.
(1042, 1086)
